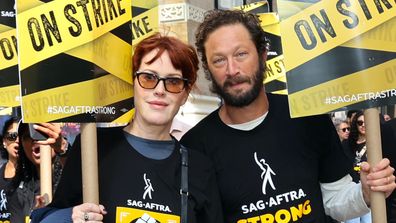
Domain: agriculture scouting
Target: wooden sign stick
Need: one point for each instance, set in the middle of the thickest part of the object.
(374, 156)
(89, 163)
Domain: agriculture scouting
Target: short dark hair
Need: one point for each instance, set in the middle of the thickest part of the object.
(218, 18)
(182, 55)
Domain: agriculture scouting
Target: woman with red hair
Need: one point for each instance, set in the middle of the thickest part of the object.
(145, 175)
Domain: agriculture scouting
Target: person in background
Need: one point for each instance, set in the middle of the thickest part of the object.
(387, 117)
(343, 129)
(267, 163)
(7, 171)
(24, 187)
(356, 150)
(350, 115)
(3, 119)
(141, 165)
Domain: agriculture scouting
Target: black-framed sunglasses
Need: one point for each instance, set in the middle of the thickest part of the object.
(11, 136)
(360, 123)
(346, 129)
(150, 80)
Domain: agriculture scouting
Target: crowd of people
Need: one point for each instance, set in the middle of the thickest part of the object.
(247, 161)
(352, 134)
(20, 174)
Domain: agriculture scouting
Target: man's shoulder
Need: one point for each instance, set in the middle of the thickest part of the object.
(207, 123)
(197, 136)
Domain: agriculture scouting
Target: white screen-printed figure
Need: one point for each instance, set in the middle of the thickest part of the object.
(148, 188)
(266, 174)
(3, 201)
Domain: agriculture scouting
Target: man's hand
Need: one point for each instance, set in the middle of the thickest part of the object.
(378, 178)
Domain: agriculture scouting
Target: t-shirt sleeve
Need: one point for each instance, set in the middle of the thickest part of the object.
(333, 162)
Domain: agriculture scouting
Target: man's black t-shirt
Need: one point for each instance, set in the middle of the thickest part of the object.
(272, 172)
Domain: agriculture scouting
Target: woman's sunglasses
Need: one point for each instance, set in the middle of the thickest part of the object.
(346, 129)
(11, 136)
(360, 123)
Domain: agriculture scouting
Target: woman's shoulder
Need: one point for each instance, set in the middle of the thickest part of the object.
(110, 133)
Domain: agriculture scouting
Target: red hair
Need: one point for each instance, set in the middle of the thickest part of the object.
(182, 55)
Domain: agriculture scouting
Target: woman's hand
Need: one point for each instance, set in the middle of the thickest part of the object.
(88, 212)
(54, 133)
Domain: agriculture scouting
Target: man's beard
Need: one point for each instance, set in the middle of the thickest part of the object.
(240, 99)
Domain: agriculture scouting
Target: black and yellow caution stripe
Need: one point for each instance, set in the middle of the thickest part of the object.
(382, 37)
(56, 72)
(275, 67)
(282, 86)
(276, 86)
(330, 69)
(101, 51)
(339, 62)
(93, 73)
(144, 23)
(102, 91)
(5, 111)
(4, 28)
(143, 5)
(107, 51)
(9, 79)
(8, 51)
(379, 83)
(325, 25)
(9, 96)
(66, 26)
(255, 7)
(9, 76)
(145, 20)
(288, 8)
(26, 5)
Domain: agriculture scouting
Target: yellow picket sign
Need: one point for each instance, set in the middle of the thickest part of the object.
(76, 35)
(8, 46)
(147, 4)
(9, 88)
(379, 82)
(275, 67)
(58, 26)
(144, 24)
(66, 101)
(253, 6)
(354, 40)
(328, 24)
(107, 51)
(6, 111)
(9, 96)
